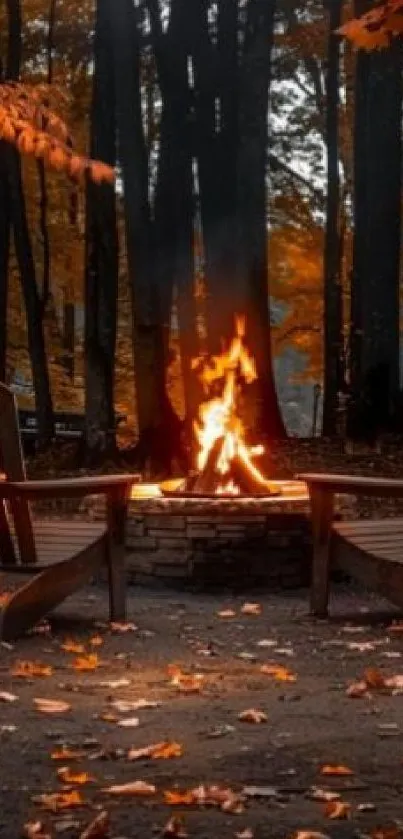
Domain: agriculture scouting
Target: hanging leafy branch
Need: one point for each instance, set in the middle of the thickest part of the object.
(28, 123)
(376, 28)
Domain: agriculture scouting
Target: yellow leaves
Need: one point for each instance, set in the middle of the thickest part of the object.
(86, 662)
(135, 788)
(252, 715)
(336, 770)
(30, 669)
(184, 682)
(56, 801)
(278, 672)
(66, 776)
(51, 706)
(157, 751)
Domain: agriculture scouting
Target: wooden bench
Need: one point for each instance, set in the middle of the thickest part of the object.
(370, 550)
(59, 555)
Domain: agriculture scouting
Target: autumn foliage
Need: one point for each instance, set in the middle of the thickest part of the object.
(377, 27)
(27, 122)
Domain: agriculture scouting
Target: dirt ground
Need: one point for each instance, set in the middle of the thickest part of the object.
(310, 722)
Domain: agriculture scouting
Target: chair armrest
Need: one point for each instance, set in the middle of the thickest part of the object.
(68, 487)
(353, 484)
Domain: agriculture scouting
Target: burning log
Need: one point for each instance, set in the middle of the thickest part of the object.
(208, 479)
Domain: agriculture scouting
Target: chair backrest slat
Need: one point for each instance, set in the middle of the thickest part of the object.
(12, 460)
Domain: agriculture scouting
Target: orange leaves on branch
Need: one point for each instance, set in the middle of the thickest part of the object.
(33, 128)
(376, 28)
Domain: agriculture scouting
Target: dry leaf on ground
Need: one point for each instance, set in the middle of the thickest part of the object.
(98, 828)
(337, 809)
(126, 705)
(223, 797)
(338, 769)
(131, 788)
(247, 833)
(86, 662)
(129, 722)
(114, 684)
(66, 776)
(56, 801)
(30, 669)
(71, 646)
(226, 613)
(252, 715)
(251, 609)
(35, 830)
(318, 794)
(64, 753)
(122, 628)
(96, 641)
(174, 827)
(5, 696)
(51, 706)
(185, 683)
(279, 673)
(157, 751)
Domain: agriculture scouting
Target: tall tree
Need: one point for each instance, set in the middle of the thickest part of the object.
(333, 313)
(101, 269)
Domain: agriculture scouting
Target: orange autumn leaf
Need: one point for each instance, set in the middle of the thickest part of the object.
(338, 769)
(51, 706)
(174, 797)
(131, 788)
(223, 797)
(96, 641)
(66, 776)
(252, 715)
(86, 662)
(30, 669)
(374, 678)
(337, 809)
(98, 827)
(184, 682)
(251, 609)
(56, 801)
(158, 751)
(278, 672)
(64, 753)
(70, 646)
(174, 828)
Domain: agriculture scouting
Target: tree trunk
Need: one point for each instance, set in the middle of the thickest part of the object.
(4, 259)
(101, 273)
(25, 259)
(333, 320)
(376, 246)
(251, 293)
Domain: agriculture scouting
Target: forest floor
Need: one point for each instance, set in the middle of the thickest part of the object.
(270, 773)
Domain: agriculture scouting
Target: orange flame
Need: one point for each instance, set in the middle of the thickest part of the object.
(218, 418)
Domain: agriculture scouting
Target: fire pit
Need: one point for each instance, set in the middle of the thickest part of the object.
(226, 523)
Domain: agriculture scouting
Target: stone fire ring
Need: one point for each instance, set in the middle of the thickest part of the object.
(214, 541)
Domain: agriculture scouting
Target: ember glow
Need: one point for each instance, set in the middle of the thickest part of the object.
(219, 429)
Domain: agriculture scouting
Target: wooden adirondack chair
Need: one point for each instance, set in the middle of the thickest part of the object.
(60, 555)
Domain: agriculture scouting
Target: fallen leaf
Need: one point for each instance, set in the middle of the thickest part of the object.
(66, 776)
(337, 810)
(98, 828)
(318, 794)
(394, 682)
(126, 705)
(279, 673)
(251, 609)
(129, 722)
(56, 801)
(361, 646)
(266, 642)
(96, 641)
(184, 682)
(86, 662)
(122, 628)
(252, 715)
(70, 646)
(329, 769)
(357, 689)
(226, 613)
(114, 684)
(174, 827)
(174, 797)
(64, 753)
(35, 830)
(30, 669)
(5, 696)
(247, 833)
(374, 678)
(131, 788)
(157, 751)
(223, 797)
(51, 706)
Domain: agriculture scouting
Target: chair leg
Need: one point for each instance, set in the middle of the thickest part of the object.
(322, 516)
(115, 555)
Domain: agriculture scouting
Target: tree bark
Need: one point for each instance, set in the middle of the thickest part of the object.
(376, 246)
(333, 319)
(101, 270)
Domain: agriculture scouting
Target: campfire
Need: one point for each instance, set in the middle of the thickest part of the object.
(225, 462)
